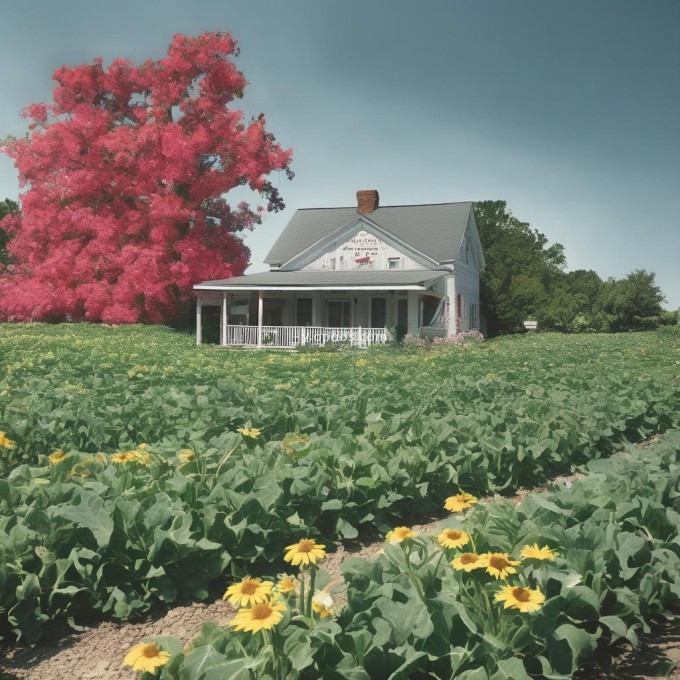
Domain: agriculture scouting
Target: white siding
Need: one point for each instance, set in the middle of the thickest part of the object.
(467, 285)
(374, 253)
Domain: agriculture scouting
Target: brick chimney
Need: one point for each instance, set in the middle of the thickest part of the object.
(367, 200)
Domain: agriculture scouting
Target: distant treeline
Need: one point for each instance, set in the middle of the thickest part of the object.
(524, 279)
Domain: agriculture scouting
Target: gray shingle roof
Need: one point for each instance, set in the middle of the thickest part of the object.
(436, 230)
(348, 279)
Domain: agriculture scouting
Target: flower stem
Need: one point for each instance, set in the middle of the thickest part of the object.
(301, 604)
(310, 595)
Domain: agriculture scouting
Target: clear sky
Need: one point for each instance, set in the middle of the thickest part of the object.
(569, 111)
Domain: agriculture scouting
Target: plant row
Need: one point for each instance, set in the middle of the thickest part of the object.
(521, 592)
(102, 390)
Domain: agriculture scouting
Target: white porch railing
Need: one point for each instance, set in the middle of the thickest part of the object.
(297, 336)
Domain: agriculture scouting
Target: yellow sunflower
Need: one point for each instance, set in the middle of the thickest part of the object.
(499, 565)
(459, 502)
(399, 534)
(258, 617)
(5, 441)
(141, 457)
(185, 455)
(304, 552)
(146, 657)
(467, 562)
(124, 457)
(524, 599)
(535, 553)
(453, 538)
(248, 591)
(252, 432)
(322, 610)
(57, 457)
(287, 584)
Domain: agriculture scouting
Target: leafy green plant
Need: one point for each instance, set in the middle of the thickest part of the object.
(130, 478)
(411, 614)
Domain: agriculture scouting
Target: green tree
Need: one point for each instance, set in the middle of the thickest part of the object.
(7, 207)
(633, 303)
(521, 268)
(572, 303)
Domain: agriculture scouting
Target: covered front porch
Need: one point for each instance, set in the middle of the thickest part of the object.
(261, 314)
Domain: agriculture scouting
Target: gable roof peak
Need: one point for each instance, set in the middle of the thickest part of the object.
(433, 229)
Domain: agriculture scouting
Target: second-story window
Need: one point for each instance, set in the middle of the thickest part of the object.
(394, 263)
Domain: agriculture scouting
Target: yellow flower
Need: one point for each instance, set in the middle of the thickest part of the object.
(142, 447)
(322, 604)
(535, 553)
(248, 591)
(5, 441)
(57, 457)
(124, 457)
(453, 538)
(304, 552)
(499, 565)
(258, 617)
(287, 584)
(399, 534)
(146, 657)
(185, 455)
(467, 562)
(524, 599)
(252, 432)
(142, 457)
(459, 502)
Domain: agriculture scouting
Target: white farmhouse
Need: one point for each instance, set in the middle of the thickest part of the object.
(360, 274)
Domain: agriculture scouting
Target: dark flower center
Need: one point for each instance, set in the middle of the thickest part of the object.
(499, 563)
(521, 594)
(249, 587)
(260, 612)
(151, 650)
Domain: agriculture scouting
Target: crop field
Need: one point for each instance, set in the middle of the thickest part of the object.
(136, 468)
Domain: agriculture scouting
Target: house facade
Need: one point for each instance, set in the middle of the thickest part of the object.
(362, 274)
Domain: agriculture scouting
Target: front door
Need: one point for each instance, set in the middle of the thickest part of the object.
(339, 313)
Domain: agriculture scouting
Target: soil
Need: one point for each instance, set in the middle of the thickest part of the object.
(97, 653)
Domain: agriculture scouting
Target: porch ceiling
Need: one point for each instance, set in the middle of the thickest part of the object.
(416, 279)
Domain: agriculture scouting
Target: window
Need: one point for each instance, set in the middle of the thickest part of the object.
(332, 263)
(394, 263)
(340, 313)
(303, 312)
(474, 317)
(378, 312)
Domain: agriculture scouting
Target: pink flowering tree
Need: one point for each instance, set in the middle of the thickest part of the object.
(123, 176)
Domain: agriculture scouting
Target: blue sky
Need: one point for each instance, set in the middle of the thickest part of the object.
(569, 111)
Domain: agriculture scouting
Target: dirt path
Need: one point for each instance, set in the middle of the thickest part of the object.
(97, 654)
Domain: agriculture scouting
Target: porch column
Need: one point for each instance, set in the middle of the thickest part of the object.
(224, 319)
(451, 325)
(199, 330)
(260, 313)
(413, 311)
